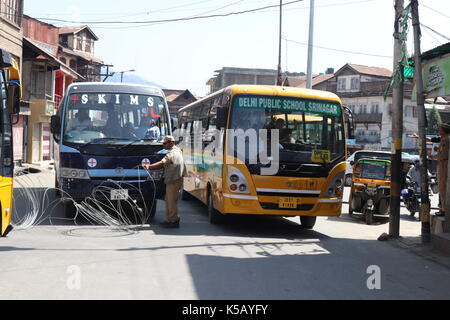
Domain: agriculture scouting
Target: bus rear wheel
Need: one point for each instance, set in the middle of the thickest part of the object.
(214, 216)
(308, 222)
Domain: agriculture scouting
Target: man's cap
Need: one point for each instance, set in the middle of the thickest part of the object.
(169, 139)
(445, 125)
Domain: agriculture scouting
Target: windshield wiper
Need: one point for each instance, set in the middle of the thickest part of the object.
(100, 139)
(136, 141)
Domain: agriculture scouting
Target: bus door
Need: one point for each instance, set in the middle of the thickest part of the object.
(6, 151)
(215, 149)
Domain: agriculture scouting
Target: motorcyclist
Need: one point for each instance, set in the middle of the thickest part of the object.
(414, 175)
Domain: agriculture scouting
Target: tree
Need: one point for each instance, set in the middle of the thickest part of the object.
(434, 121)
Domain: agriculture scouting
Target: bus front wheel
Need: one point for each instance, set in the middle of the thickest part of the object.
(308, 222)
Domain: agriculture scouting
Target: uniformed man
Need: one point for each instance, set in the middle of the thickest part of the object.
(174, 171)
(442, 167)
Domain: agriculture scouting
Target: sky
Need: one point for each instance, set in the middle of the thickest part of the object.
(185, 54)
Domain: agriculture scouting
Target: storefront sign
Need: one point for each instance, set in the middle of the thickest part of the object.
(436, 77)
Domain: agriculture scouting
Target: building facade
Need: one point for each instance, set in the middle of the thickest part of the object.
(363, 90)
(176, 99)
(229, 76)
(76, 50)
(11, 12)
(45, 78)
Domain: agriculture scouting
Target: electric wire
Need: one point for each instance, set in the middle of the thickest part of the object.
(340, 50)
(175, 19)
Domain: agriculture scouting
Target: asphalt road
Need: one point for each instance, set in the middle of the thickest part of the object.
(244, 258)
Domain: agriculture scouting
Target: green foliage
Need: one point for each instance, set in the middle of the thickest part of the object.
(434, 121)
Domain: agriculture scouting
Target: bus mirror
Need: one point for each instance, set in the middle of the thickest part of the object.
(174, 123)
(352, 163)
(55, 125)
(14, 98)
(350, 121)
(222, 117)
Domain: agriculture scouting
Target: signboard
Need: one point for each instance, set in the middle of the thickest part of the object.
(49, 108)
(436, 77)
(289, 104)
(351, 142)
(321, 156)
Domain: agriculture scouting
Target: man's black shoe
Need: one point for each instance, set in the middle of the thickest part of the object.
(170, 224)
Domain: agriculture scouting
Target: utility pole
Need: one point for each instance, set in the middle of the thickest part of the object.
(310, 45)
(397, 125)
(279, 77)
(425, 200)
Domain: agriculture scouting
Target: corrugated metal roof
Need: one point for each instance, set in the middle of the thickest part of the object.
(376, 71)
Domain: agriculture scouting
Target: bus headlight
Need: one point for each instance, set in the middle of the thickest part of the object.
(70, 173)
(234, 176)
(336, 186)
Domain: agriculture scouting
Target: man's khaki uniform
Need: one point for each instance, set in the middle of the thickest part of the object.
(174, 171)
(442, 169)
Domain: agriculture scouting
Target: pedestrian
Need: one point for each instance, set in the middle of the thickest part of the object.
(174, 171)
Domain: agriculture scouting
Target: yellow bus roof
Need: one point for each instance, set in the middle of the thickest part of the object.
(273, 91)
(283, 91)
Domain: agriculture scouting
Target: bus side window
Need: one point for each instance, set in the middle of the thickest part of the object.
(205, 117)
(213, 112)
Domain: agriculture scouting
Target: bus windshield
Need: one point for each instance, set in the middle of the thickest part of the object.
(99, 118)
(306, 127)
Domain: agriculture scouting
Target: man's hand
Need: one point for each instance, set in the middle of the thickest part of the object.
(415, 136)
(153, 166)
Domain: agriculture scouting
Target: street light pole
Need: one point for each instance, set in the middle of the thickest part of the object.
(122, 72)
(279, 77)
(397, 127)
(310, 46)
(425, 200)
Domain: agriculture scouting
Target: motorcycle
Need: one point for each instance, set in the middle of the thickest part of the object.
(412, 197)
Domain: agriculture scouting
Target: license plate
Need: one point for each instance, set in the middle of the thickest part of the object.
(287, 203)
(119, 194)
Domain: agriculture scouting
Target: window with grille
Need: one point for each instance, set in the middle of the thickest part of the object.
(342, 83)
(375, 108)
(355, 84)
(12, 10)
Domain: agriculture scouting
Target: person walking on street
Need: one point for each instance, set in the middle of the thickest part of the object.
(174, 171)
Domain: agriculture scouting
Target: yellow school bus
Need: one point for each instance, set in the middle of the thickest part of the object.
(10, 103)
(265, 150)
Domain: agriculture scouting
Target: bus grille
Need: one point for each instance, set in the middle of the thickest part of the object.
(274, 206)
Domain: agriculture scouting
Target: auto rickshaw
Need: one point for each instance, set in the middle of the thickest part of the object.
(371, 184)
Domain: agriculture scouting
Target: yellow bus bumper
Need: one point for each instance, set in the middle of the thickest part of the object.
(329, 207)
